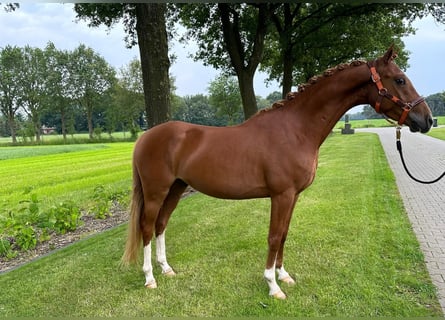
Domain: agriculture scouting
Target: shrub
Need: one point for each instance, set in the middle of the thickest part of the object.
(25, 237)
(65, 217)
(6, 249)
(102, 203)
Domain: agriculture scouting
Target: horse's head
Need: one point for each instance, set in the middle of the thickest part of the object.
(395, 96)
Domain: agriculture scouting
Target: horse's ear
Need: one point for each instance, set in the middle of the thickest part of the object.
(390, 55)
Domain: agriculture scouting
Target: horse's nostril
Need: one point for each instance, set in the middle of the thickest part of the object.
(430, 120)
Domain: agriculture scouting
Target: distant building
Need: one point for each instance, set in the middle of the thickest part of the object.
(48, 130)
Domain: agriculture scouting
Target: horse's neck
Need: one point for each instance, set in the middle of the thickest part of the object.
(321, 105)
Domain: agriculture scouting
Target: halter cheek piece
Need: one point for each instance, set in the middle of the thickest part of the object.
(383, 93)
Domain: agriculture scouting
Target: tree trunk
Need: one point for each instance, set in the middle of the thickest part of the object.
(244, 66)
(155, 64)
(63, 123)
(11, 123)
(288, 65)
(89, 112)
(245, 80)
(35, 118)
(37, 130)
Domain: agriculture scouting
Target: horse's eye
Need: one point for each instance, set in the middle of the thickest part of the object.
(400, 81)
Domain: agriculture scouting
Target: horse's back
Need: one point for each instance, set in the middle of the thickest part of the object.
(159, 141)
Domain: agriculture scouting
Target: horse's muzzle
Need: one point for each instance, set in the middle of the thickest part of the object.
(422, 125)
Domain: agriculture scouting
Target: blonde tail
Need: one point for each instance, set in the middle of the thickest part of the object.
(134, 237)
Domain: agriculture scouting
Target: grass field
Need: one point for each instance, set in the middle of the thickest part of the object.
(350, 247)
(78, 138)
(438, 133)
(48, 188)
(375, 123)
(62, 172)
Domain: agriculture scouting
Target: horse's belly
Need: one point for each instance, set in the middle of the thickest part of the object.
(226, 184)
(230, 192)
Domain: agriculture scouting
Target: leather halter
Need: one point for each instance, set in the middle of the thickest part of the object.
(383, 93)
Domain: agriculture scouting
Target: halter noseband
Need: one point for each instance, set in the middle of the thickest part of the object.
(383, 93)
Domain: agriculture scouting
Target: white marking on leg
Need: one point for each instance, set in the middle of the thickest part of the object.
(161, 255)
(150, 281)
(274, 289)
(284, 276)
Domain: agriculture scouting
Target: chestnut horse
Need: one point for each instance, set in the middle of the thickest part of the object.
(273, 154)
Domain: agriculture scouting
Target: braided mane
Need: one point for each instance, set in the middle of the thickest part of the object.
(302, 87)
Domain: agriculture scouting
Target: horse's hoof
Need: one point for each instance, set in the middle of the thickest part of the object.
(151, 285)
(288, 280)
(169, 273)
(279, 295)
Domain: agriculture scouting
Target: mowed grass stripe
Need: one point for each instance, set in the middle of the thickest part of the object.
(33, 151)
(59, 176)
(350, 247)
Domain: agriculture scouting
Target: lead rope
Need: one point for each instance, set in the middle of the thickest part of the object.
(399, 148)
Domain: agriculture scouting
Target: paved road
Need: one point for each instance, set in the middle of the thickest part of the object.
(425, 204)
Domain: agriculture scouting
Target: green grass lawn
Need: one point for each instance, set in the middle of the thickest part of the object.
(350, 247)
(7, 153)
(76, 138)
(62, 172)
(367, 123)
(438, 133)
(376, 123)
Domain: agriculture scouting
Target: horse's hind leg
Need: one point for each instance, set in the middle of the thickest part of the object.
(165, 212)
(151, 210)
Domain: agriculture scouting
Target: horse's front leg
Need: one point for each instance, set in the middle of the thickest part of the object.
(283, 275)
(281, 212)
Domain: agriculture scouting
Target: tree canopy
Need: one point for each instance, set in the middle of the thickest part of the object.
(145, 25)
(297, 40)
(289, 41)
(35, 81)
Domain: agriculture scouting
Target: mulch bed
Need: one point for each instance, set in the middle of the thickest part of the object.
(89, 227)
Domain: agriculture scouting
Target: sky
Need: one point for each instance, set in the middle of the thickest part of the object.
(37, 24)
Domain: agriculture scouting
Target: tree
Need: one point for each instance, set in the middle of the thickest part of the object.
(225, 98)
(92, 77)
(349, 31)
(61, 86)
(369, 113)
(230, 37)
(155, 63)
(309, 37)
(436, 102)
(146, 22)
(196, 109)
(128, 98)
(11, 6)
(34, 86)
(274, 96)
(11, 68)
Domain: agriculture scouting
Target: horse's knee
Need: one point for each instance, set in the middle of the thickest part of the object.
(274, 242)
